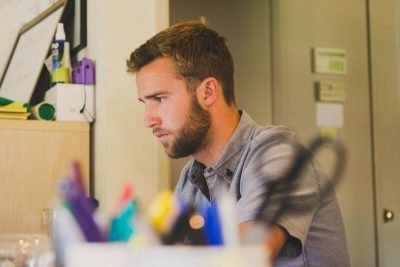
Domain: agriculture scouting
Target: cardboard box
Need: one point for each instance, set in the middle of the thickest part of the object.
(73, 102)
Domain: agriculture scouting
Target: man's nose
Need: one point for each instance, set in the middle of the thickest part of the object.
(151, 120)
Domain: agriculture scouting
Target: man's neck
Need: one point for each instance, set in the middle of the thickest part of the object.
(222, 128)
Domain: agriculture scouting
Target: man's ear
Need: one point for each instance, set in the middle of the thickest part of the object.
(210, 89)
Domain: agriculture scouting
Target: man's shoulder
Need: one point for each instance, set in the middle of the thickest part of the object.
(275, 134)
(249, 132)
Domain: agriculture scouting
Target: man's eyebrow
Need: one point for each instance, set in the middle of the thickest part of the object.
(150, 96)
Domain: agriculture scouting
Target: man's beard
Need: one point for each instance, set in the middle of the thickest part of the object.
(193, 133)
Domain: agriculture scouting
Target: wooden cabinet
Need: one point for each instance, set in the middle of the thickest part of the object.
(33, 157)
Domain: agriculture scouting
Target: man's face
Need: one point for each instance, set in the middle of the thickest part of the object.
(176, 117)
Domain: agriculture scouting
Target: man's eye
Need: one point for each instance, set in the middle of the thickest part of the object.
(158, 99)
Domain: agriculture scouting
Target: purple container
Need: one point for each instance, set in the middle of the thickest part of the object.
(83, 72)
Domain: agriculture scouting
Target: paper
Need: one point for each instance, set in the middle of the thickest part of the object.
(13, 107)
(329, 115)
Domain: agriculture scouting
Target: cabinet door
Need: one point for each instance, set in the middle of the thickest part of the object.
(33, 156)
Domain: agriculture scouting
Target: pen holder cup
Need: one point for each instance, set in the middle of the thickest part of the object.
(47, 222)
(125, 255)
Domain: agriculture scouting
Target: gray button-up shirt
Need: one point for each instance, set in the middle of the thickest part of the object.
(253, 157)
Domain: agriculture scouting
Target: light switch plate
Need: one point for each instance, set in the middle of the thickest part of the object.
(329, 91)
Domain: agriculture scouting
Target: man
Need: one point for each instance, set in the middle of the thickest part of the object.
(184, 77)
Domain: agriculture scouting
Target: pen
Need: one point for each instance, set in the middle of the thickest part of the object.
(125, 197)
(212, 227)
(73, 191)
(121, 228)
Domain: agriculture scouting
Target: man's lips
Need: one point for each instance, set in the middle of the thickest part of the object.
(159, 133)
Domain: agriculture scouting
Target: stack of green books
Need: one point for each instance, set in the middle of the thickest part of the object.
(13, 109)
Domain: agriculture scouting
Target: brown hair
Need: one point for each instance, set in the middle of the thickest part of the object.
(197, 52)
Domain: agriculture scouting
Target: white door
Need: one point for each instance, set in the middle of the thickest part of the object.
(385, 77)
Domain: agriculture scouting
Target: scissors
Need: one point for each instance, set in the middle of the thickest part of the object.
(286, 184)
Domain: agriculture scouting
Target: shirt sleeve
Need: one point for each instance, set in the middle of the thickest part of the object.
(268, 161)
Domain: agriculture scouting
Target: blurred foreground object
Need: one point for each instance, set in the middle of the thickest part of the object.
(26, 250)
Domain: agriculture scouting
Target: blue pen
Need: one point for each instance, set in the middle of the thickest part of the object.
(212, 226)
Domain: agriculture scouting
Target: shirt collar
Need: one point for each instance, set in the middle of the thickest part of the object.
(228, 160)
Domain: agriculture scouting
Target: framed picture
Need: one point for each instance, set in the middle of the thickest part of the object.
(29, 52)
(75, 24)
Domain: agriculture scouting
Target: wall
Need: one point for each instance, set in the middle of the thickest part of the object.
(298, 26)
(124, 151)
